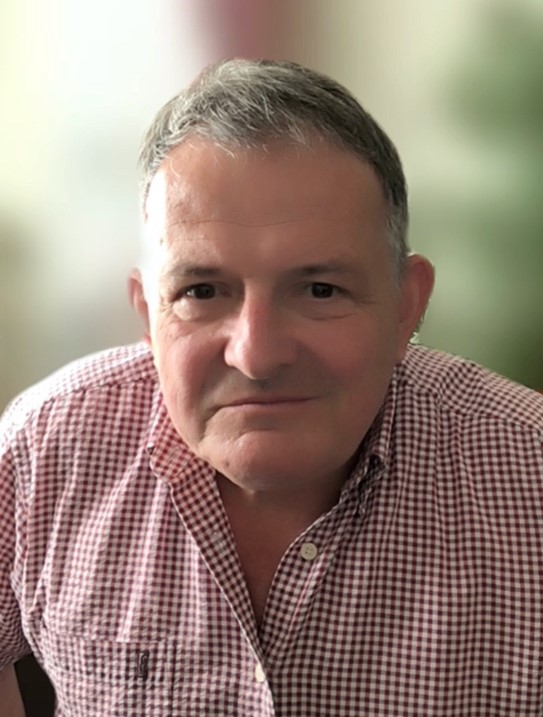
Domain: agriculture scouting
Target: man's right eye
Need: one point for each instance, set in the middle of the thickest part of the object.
(200, 291)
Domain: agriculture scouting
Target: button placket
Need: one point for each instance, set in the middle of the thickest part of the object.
(309, 551)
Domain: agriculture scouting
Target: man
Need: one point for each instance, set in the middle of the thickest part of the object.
(274, 506)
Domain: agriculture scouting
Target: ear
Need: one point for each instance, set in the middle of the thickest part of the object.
(139, 303)
(416, 289)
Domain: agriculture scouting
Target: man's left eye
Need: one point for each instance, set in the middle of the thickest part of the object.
(321, 290)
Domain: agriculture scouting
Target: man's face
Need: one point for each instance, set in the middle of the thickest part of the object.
(271, 308)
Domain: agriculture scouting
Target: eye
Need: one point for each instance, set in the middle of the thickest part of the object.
(322, 290)
(200, 291)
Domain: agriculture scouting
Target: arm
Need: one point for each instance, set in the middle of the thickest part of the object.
(10, 697)
(12, 642)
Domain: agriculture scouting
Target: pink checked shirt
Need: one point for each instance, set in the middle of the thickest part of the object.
(419, 594)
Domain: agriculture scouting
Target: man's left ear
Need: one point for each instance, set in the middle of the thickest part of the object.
(139, 303)
(416, 289)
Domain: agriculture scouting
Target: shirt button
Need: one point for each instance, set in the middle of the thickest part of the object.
(309, 551)
(260, 677)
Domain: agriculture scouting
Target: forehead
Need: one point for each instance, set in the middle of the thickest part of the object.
(200, 182)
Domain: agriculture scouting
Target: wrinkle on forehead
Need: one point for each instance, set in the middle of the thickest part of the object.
(249, 225)
(190, 210)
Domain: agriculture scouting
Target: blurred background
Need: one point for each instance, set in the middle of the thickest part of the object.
(458, 84)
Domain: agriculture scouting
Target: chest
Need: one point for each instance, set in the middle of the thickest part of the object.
(349, 637)
(152, 614)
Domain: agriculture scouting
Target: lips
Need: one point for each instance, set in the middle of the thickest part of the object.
(265, 401)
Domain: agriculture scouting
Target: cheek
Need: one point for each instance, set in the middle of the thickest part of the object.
(185, 365)
(354, 353)
(362, 371)
(361, 363)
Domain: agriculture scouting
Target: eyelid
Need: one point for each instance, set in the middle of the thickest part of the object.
(197, 284)
(336, 288)
(183, 291)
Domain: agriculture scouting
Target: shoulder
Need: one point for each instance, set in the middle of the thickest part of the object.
(464, 388)
(99, 374)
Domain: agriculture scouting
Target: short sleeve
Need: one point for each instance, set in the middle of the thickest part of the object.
(13, 644)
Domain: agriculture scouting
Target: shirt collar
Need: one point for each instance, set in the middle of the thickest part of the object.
(170, 458)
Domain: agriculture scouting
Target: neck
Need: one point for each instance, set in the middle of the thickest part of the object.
(297, 508)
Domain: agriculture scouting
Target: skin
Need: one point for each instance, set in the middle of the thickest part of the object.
(270, 303)
(10, 697)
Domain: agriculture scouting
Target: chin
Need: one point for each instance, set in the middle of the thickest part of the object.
(266, 465)
(259, 473)
(257, 463)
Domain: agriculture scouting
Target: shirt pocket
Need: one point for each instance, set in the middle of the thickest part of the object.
(104, 677)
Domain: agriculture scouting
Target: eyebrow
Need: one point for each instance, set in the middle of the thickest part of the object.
(196, 271)
(333, 266)
(207, 271)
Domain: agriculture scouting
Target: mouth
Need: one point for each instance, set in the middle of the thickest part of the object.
(267, 402)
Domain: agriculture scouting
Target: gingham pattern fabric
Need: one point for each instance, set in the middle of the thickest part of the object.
(419, 594)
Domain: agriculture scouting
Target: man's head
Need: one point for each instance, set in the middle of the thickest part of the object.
(243, 104)
(273, 303)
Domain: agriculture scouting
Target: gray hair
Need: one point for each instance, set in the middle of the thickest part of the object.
(247, 103)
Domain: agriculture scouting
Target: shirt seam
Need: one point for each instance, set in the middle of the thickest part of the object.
(442, 404)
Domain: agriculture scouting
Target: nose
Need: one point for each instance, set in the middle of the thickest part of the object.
(259, 339)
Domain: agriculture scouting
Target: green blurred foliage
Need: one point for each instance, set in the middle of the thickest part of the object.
(496, 100)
